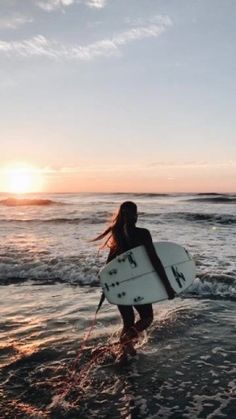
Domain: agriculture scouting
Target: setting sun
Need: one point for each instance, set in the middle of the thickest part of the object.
(23, 179)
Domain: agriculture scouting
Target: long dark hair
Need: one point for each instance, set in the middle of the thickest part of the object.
(120, 230)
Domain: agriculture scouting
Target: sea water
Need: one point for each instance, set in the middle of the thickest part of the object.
(186, 364)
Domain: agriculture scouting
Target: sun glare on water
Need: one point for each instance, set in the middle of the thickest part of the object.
(20, 180)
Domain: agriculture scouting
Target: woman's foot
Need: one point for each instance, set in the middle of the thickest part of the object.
(122, 359)
(126, 337)
(126, 341)
(130, 349)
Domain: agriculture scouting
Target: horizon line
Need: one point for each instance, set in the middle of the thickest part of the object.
(116, 193)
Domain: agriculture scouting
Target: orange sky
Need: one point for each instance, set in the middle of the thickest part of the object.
(136, 177)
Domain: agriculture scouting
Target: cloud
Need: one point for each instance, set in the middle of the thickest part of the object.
(50, 5)
(41, 46)
(97, 168)
(139, 33)
(14, 21)
(191, 164)
(85, 167)
(142, 21)
(96, 4)
(178, 164)
(25, 167)
(37, 45)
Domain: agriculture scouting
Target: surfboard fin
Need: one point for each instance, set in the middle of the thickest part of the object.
(100, 302)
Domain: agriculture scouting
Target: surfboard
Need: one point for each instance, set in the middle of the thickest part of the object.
(130, 278)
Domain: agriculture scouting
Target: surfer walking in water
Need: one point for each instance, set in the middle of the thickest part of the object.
(120, 236)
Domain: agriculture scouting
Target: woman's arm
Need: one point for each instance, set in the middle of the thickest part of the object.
(156, 262)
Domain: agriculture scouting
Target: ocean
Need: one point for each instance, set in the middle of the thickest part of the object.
(186, 362)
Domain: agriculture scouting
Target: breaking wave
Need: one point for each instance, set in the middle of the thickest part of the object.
(208, 194)
(74, 269)
(220, 199)
(100, 218)
(216, 286)
(223, 219)
(83, 271)
(149, 195)
(15, 202)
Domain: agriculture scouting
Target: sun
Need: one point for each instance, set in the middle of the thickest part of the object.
(20, 182)
(23, 179)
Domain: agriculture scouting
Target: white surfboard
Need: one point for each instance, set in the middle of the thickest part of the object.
(130, 278)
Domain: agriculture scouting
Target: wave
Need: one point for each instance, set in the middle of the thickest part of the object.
(208, 194)
(217, 286)
(56, 221)
(149, 195)
(15, 202)
(103, 217)
(83, 270)
(100, 218)
(223, 219)
(200, 288)
(80, 270)
(215, 199)
(77, 220)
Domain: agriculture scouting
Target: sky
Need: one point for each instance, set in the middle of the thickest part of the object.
(117, 96)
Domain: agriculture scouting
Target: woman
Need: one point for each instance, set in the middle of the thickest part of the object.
(123, 235)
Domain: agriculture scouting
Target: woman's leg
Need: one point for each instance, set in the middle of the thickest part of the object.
(127, 314)
(145, 312)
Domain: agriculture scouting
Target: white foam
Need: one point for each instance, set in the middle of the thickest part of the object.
(213, 288)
